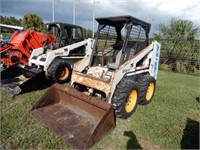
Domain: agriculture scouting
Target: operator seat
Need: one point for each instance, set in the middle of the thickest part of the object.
(117, 55)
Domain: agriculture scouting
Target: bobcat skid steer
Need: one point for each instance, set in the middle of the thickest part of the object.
(49, 64)
(121, 74)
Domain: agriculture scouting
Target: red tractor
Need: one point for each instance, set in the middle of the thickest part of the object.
(21, 44)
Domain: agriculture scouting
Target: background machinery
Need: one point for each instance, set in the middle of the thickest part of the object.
(120, 73)
(50, 63)
(21, 45)
(58, 59)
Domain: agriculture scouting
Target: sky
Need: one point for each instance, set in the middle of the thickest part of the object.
(152, 11)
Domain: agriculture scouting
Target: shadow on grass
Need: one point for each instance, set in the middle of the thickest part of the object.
(132, 142)
(198, 99)
(190, 139)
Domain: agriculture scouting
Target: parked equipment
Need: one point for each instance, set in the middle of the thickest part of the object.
(120, 74)
(54, 62)
(21, 45)
(58, 59)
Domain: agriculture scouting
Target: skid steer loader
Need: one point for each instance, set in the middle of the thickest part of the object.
(48, 64)
(121, 73)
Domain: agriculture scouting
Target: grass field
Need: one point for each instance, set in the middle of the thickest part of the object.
(171, 121)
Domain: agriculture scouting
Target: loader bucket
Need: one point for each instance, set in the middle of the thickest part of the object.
(78, 119)
(18, 80)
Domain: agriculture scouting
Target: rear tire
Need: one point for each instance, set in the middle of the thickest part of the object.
(125, 98)
(147, 86)
(60, 71)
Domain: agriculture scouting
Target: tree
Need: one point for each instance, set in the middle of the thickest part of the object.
(10, 20)
(7, 32)
(32, 20)
(178, 37)
(179, 42)
(177, 30)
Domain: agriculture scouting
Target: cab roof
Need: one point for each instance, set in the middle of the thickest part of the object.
(120, 20)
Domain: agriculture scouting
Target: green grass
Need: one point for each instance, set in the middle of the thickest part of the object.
(159, 125)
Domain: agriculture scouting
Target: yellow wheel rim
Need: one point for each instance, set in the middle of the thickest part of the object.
(150, 91)
(86, 92)
(132, 99)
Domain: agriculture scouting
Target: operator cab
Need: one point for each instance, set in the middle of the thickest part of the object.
(66, 34)
(118, 39)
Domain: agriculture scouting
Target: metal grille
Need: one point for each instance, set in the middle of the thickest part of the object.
(136, 42)
(106, 40)
(137, 34)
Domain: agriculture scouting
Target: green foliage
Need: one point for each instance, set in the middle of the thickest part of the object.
(32, 20)
(7, 33)
(178, 43)
(28, 21)
(180, 67)
(177, 30)
(165, 67)
(178, 39)
(10, 20)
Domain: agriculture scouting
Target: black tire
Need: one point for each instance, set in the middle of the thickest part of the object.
(125, 98)
(60, 71)
(147, 86)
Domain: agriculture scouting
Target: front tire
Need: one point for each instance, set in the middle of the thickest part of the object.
(125, 98)
(60, 71)
(147, 85)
